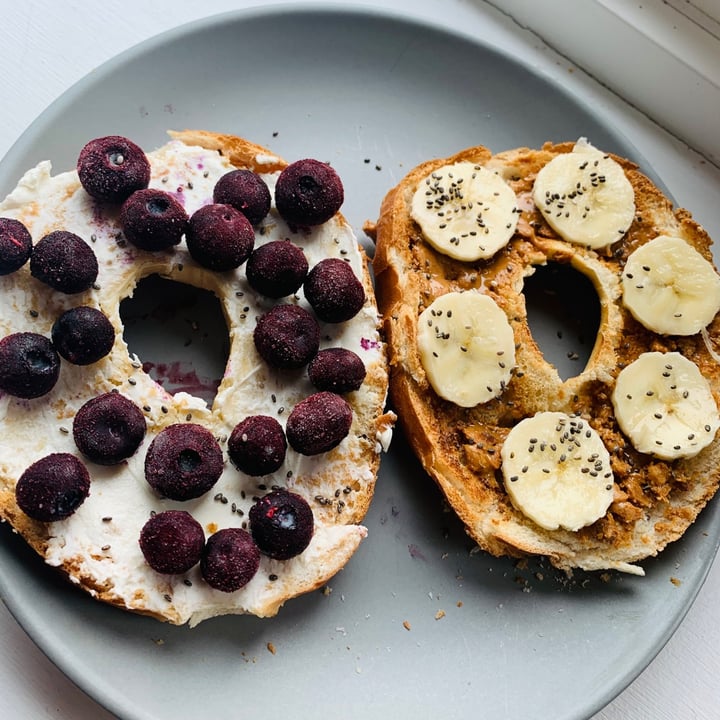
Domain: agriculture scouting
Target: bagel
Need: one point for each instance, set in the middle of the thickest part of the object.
(98, 544)
(473, 438)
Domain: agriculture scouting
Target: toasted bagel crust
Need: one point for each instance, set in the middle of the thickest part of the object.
(655, 501)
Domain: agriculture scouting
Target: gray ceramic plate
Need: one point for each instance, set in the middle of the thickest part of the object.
(373, 94)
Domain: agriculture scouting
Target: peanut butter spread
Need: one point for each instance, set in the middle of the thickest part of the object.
(654, 500)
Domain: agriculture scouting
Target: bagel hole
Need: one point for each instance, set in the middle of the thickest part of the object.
(180, 335)
(563, 312)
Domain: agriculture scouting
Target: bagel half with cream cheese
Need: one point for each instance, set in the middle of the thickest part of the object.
(98, 544)
(596, 471)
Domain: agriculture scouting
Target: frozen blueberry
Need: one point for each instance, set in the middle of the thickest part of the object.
(287, 337)
(112, 168)
(318, 423)
(277, 268)
(246, 191)
(183, 461)
(230, 560)
(308, 192)
(257, 445)
(65, 262)
(15, 245)
(53, 488)
(219, 237)
(334, 291)
(83, 335)
(153, 219)
(29, 365)
(172, 542)
(109, 428)
(336, 369)
(281, 524)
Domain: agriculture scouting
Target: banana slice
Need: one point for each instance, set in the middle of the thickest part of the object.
(557, 471)
(585, 196)
(670, 288)
(465, 211)
(665, 406)
(467, 347)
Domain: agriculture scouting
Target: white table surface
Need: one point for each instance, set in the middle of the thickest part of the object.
(47, 45)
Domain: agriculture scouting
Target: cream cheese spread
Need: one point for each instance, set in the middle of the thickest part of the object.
(98, 544)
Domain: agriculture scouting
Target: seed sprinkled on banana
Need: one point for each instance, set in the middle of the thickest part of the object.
(665, 406)
(557, 471)
(466, 347)
(670, 288)
(585, 196)
(465, 211)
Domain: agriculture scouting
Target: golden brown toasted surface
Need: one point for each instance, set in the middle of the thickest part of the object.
(655, 501)
(240, 152)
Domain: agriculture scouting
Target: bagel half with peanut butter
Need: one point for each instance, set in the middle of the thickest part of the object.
(161, 503)
(597, 471)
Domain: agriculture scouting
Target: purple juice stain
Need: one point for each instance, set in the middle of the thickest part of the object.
(178, 376)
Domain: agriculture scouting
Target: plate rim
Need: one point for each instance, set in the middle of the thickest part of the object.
(339, 11)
